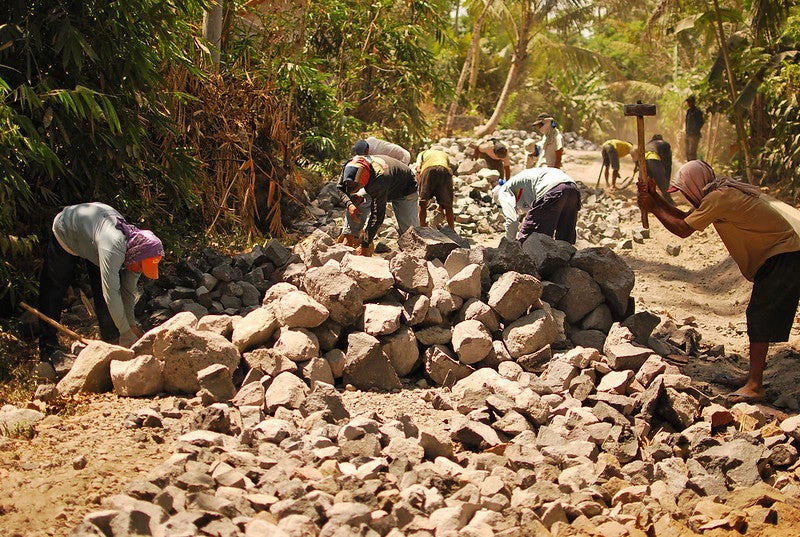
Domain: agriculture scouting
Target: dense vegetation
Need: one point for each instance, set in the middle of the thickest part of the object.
(128, 103)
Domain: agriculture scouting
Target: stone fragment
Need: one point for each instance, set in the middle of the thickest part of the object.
(91, 372)
(513, 293)
(372, 274)
(367, 367)
(426, 243)
(338, 292)
(471, 341)
(141, 376)
(298, 310)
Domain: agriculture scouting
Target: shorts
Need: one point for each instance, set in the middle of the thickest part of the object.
(436, 181)
(610, 157)
(774, 300)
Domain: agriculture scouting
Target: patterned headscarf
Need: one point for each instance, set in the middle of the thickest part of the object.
(696, 179)
(142, 243)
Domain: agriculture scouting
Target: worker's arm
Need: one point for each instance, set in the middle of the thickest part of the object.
(670, 216)
(559, 153)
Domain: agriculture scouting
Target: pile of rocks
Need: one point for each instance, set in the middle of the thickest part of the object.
(561, 411)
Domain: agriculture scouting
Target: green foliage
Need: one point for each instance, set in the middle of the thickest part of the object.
(84, 112)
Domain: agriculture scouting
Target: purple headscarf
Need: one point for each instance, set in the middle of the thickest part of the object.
(142, 243)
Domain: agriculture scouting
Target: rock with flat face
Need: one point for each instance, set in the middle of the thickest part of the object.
(367, 367)
(513, 293)
(426, 243)
(185, 351)
(91, 371)
(337, 291)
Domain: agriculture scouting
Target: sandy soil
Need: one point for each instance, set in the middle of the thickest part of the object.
(45, 491)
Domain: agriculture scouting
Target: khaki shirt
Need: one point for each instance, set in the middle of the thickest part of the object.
(751, 229)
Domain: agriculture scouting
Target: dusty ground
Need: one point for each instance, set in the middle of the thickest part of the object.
(44, 492)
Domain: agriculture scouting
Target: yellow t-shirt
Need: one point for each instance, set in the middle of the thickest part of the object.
(432, 157)
(623, 148)
(750, 228)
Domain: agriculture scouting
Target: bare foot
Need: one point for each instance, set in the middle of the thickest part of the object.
(746, 395)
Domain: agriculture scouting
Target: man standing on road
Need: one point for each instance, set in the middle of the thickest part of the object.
(370, 183)
(549, 196)
(552, 143)
(116, 254)
(435, 178)
(762, 243)
(694, 122)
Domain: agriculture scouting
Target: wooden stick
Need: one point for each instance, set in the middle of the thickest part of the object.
(48, 320)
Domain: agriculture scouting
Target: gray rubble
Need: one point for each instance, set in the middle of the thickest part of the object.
(560, 409)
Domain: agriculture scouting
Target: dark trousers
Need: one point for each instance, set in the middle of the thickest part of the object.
(692, 141)
(58, 274)
(658, 173)
(556, 212)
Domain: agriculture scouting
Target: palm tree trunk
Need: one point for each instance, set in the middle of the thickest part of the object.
(517, 63)
(212, 29)
(468, 61)
(737, 115)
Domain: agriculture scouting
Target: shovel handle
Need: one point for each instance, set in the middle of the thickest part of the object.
(74, 335)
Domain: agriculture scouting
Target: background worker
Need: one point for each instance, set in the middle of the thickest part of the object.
(760, 240)
(550, 198)
(375, 146)
(612, 151)
(655, 164)
(694, 124)
(552, 143)
(435, 178)
(117, 253)
(370, 183)
(495, 153)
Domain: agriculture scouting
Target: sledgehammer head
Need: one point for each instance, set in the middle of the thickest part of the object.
(639, 109)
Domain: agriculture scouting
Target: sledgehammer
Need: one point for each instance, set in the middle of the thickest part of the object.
(640, 110)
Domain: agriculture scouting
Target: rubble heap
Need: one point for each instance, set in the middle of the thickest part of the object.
(560, 413)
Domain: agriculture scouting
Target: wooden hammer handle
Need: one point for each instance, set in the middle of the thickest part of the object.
(48, 320)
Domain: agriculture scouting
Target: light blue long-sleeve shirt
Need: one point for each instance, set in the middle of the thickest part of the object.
(88, 230)
(523, 190)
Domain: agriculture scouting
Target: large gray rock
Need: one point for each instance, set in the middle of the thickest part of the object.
(443, 368)
(426, 243)
(466, 283)
(298, 310)
(471, 341)
(583, 293)
(402, 350)
(530, 333)
(513, 293)
(185, 351)
(547, 253)
(336, 291)
(367, 367)
(611, 272)
(371, 273)
(411, 274)
(286, 390)
(256, 328)
(144, 345)
(298, 345)
(381, 319)
(509, 256)
(138, 377)
(91, 371)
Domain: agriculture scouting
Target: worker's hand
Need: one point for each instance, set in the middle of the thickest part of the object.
(645, 196)
(354, 212)
(126, 339)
